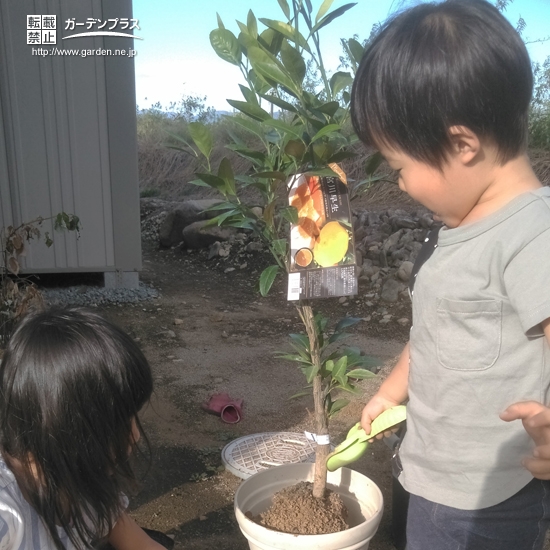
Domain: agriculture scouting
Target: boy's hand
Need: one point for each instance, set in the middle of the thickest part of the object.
(376, 406)
(536, 421)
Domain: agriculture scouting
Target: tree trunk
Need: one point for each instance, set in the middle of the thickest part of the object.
(321, 420)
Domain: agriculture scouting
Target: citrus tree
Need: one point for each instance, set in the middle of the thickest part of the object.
(287, 128)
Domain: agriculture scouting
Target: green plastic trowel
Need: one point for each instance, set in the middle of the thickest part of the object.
(357, 441)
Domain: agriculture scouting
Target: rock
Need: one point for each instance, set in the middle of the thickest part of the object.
(404, 271)
(229, 270)
(360, 234)
(188, 212)
(426, 221)
(257, 211)
(403, 321)
(199, 235)
(402, 222)
(178, 321)
(254, 247)
(415, 249)
(390, 290)
(392, 240)
(373, 218)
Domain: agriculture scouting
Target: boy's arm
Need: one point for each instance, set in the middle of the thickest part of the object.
(536, 421)
(128, 535)
(392, 392)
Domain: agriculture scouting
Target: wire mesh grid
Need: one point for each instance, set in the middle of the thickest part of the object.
(253, 453)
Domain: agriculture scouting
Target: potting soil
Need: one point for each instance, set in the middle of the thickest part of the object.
(295, 510)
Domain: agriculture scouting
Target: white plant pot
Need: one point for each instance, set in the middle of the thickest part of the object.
(360, 494)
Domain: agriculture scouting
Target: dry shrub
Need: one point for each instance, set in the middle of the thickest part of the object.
(540, 159)
(170, 171)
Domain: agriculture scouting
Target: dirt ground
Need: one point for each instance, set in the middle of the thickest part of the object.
(210, 332)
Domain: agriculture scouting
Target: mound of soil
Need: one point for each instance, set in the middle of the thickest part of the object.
(295, 510)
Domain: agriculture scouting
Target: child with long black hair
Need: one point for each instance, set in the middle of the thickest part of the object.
(71, 387)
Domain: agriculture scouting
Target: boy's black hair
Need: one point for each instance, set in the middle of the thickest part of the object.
(437, 65)
(71, 384)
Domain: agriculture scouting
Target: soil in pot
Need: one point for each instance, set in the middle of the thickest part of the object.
(295, 510)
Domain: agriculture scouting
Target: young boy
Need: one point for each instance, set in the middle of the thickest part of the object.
(443, 92)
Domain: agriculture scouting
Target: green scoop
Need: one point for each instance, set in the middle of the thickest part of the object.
(357, 441)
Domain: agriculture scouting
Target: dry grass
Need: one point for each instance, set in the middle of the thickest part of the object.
(170, 172)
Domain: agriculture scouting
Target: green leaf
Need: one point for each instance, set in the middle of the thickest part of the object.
(373, 162)
(280, 246)
(252, 24)
(301, 340)
(329, 365)
(361, 374)
(310, 373)
(248, 124)
(341, 155)
(285, 8)
(220, 22)
(295, 131)
(267, 277)
(347, 322)
(337, 406)
(302, 393)
(248, 95)
(294, 63)
(272, 70)
(325, 131)
(212, 181)
(290, 214)
(339, 370)
(337, 336)
(295, 148)
(288, 31)
(329, 108)
(325, 6)
(331, 17)
(253, 111)
(225, 171)
(356, 50)
(201, 135)
(226, 46)
(244, 32)
(199, 183)
(351, 389)
(280, 102)
(271, 175)
(271, 40)
(339, 81)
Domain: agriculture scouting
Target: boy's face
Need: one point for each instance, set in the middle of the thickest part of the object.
(446, 193)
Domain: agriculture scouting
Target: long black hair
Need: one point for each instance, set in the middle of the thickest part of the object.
(71, 385)
(437, 65)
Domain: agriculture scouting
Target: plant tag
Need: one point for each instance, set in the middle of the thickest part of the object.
(319, 439)
(322, 259)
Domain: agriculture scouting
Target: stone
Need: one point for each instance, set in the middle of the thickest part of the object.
(229, 270)
(200, 235)
(392, 240)
(254, 246)
(360, 234)
(178, 321)
(402, 222)
(403, 321)
(373, 218)
(257, 211)
(404, 271)
(186, 213)
(426, 221)
(390, 290)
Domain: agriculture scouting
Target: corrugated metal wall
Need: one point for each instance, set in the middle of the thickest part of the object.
(68, 139)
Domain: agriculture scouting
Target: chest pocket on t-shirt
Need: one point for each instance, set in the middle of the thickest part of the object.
(468, 333)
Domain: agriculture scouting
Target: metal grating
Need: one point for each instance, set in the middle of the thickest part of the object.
(250, 454)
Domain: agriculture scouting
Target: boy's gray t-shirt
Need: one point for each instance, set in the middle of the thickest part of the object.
(477, 347)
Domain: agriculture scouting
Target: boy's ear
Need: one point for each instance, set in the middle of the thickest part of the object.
(465, 143)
